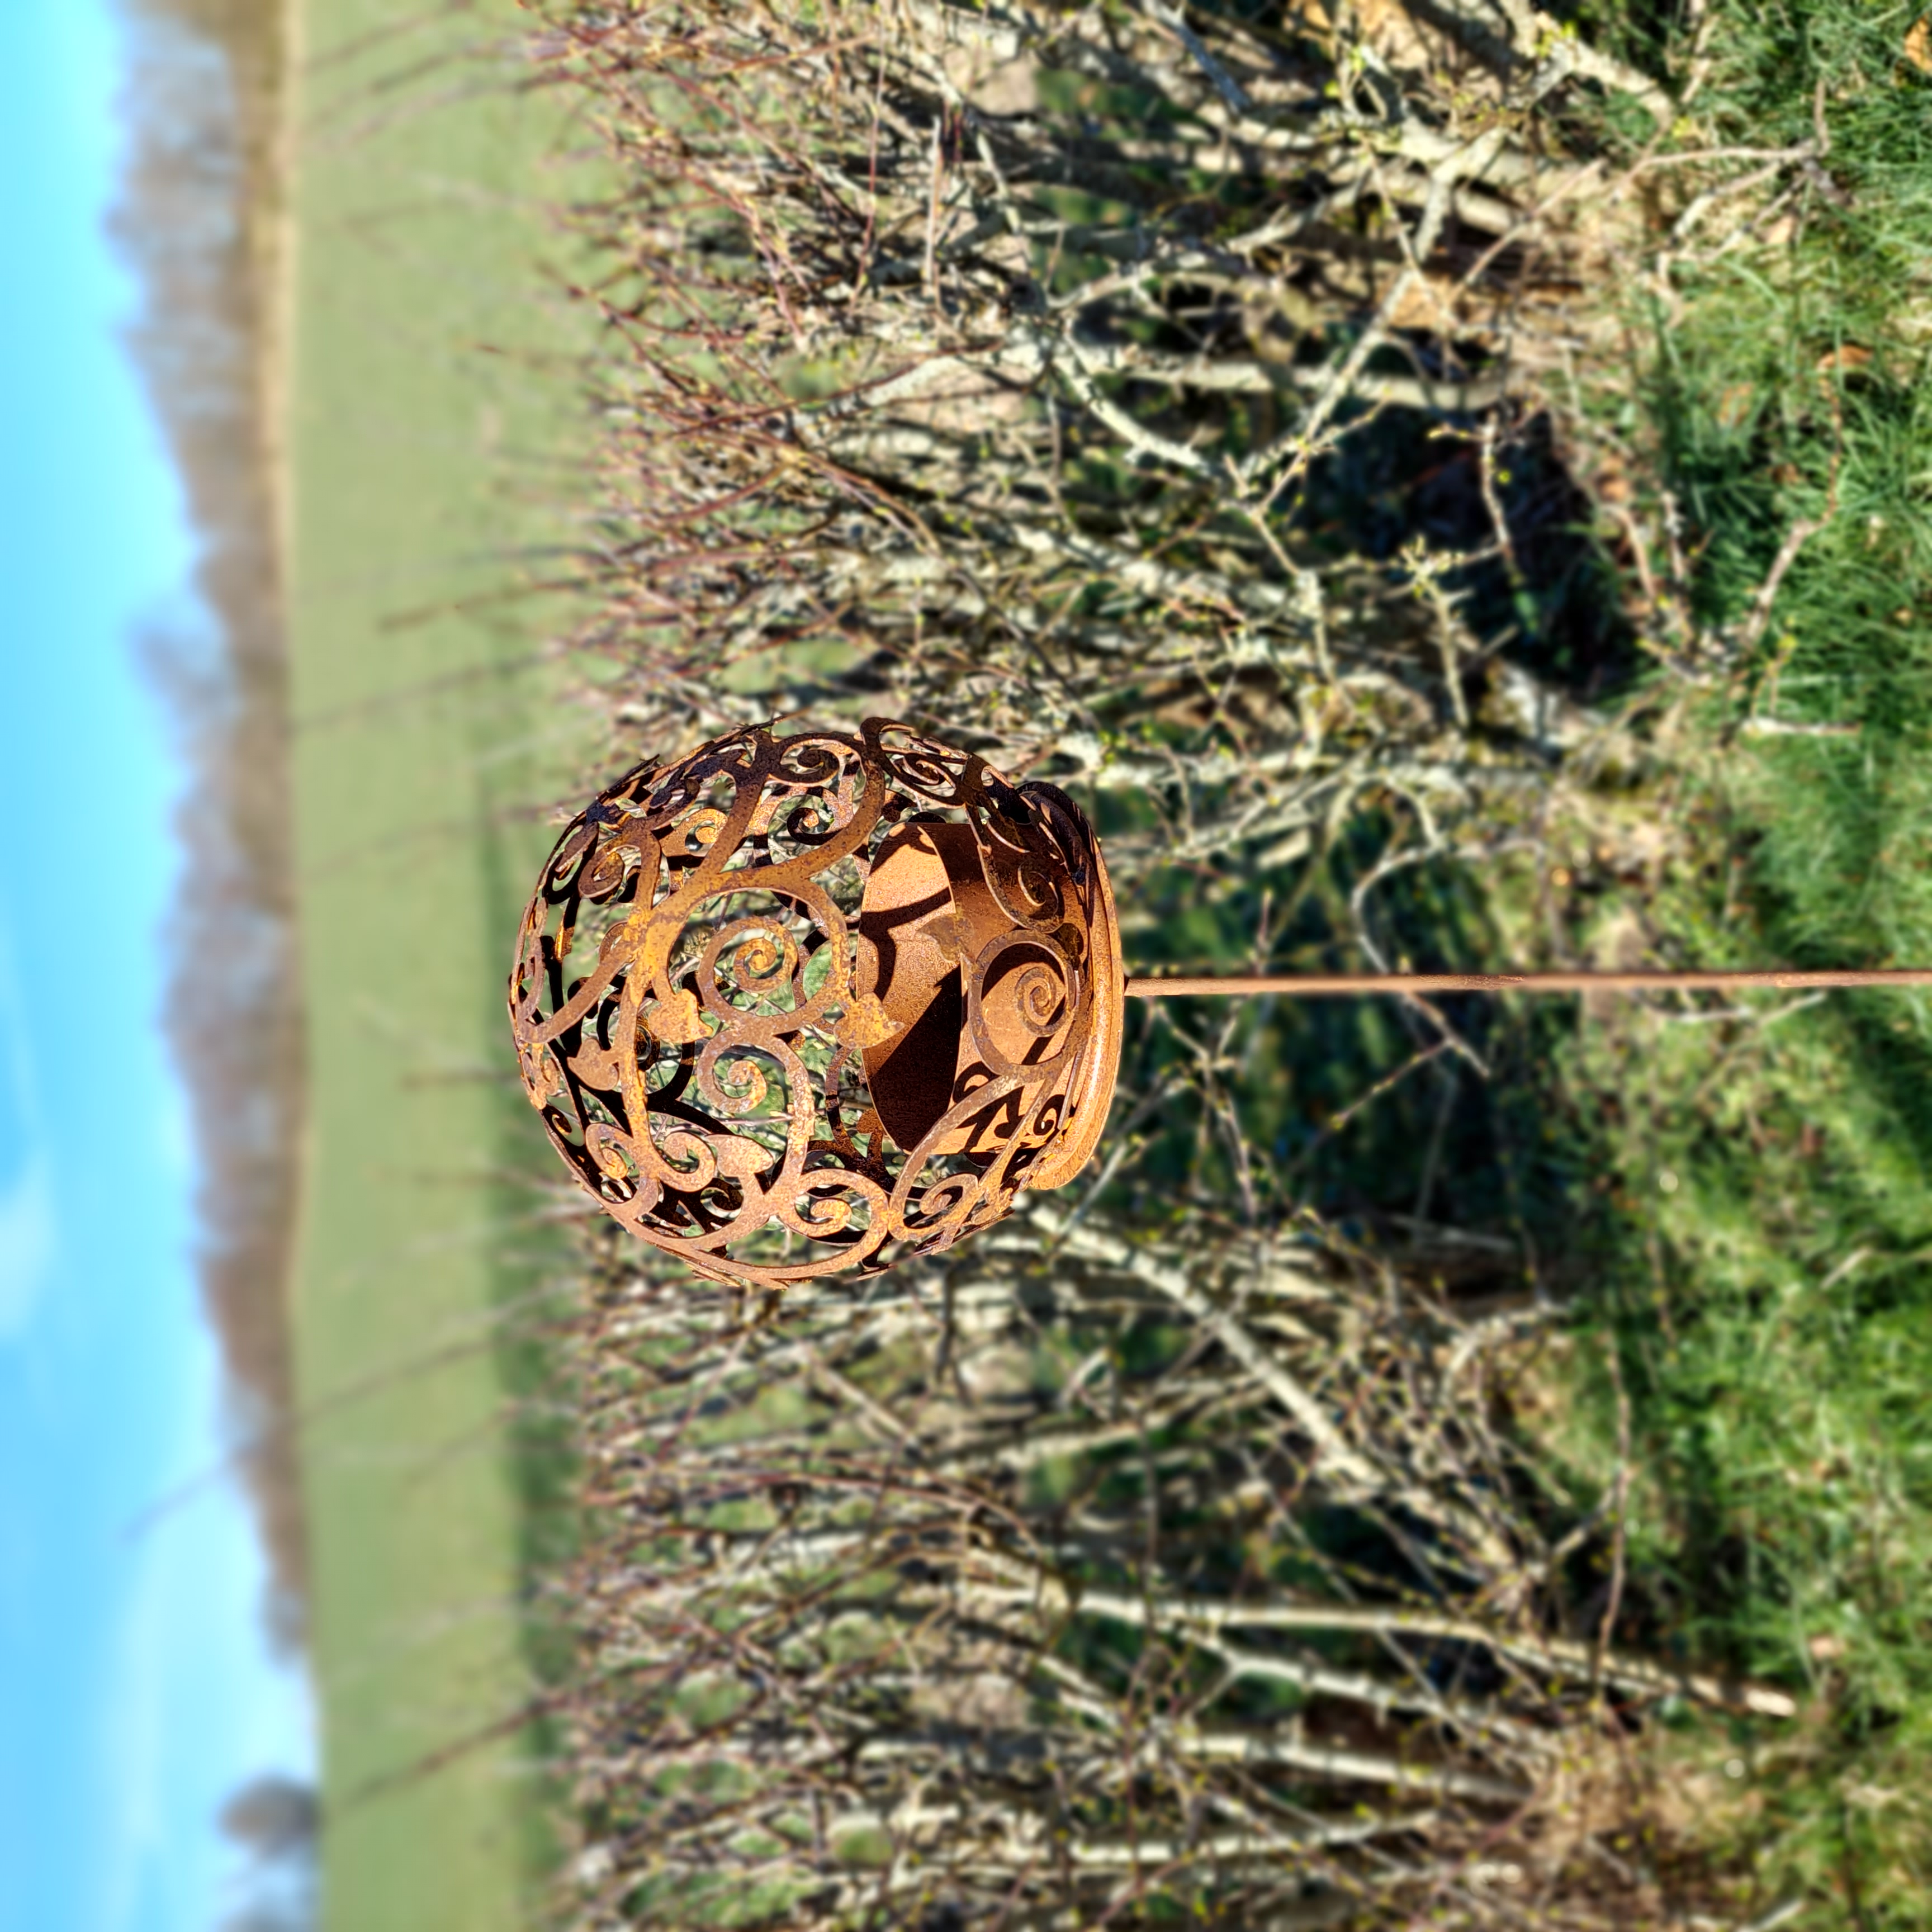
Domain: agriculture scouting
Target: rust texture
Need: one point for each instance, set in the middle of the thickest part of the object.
(793, 1006)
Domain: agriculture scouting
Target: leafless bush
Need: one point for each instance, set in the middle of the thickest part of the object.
(988, 361)
(1015, 372)
(197, 222)
(1085, 1582)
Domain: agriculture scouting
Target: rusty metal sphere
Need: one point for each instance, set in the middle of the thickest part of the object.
(791, 1006)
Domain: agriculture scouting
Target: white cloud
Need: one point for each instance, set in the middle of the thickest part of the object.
(193, 1703)
(28, 1238)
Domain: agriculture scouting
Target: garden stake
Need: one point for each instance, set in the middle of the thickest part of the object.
(790, 1007)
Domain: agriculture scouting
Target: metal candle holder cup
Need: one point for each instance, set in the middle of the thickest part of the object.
(794, 1005)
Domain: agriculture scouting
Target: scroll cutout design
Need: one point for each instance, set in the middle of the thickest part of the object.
(716, 972)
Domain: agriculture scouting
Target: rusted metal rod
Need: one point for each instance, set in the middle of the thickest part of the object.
(1324, 985)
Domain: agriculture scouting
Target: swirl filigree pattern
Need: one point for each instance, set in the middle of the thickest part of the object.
(792, 1006)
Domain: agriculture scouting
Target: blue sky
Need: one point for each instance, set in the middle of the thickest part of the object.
(135, 1687)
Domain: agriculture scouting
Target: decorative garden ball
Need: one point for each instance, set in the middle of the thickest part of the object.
(792, 1006)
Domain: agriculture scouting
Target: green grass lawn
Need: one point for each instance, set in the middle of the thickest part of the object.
(430, 401)
(1768, 1233)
